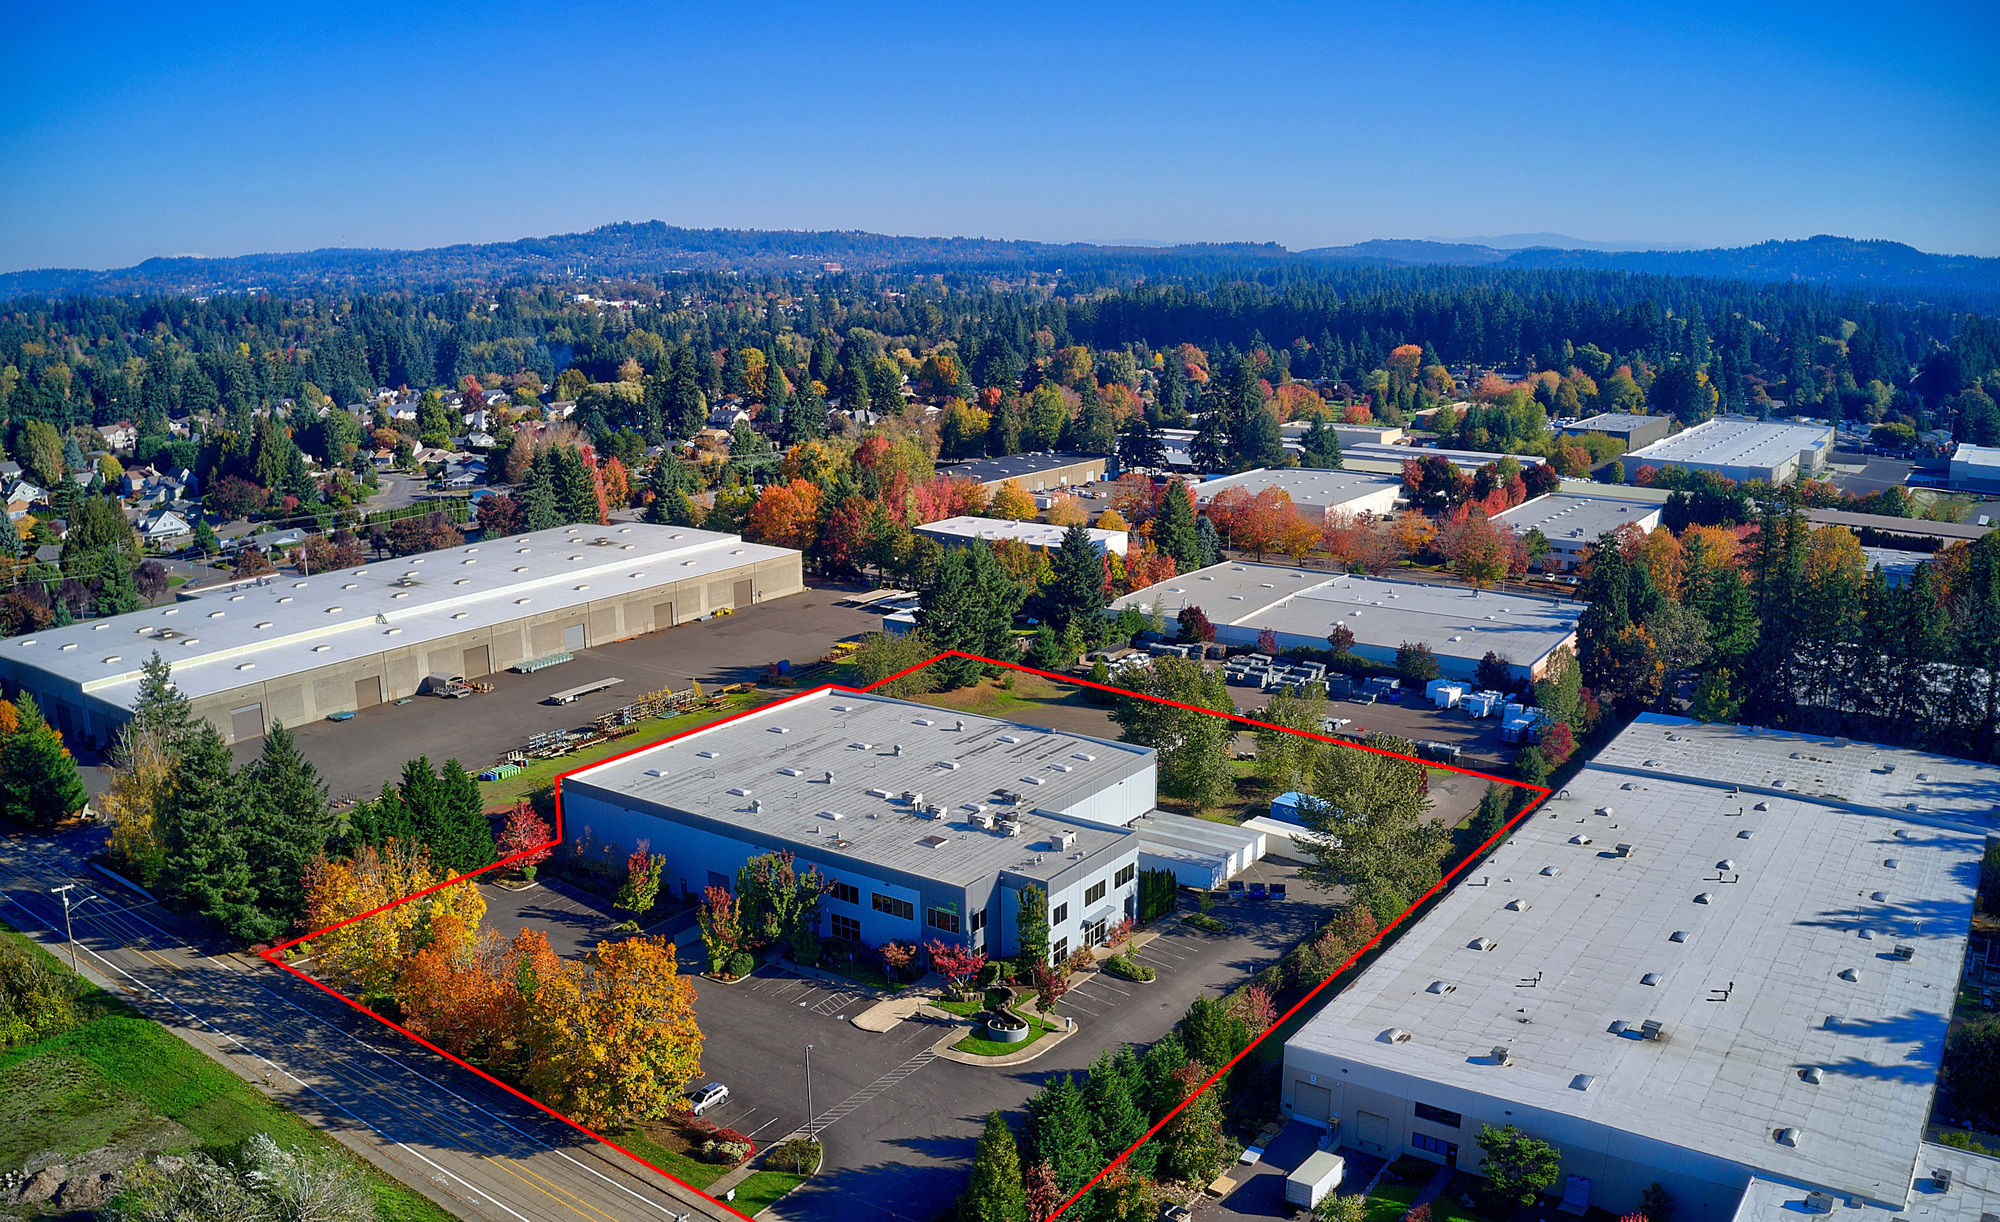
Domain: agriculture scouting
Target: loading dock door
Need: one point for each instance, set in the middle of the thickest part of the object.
(1372, 1132)
(663, 616)
(1311, 1102)
(743, 594)
(478, 661)
(246, 723)
(368, 692)
(573, 638)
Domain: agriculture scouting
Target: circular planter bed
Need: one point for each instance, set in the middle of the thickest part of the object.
(1005, 1028)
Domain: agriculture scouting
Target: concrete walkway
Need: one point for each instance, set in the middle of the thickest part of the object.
(1434, 1188)
(884, 1015)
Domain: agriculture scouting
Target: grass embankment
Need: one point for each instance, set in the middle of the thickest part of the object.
(762, 1189)
(1391, 1200)
(662, 1144)
(541, 774)
(112, 1078)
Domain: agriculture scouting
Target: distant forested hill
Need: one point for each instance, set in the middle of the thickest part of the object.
(654, 248)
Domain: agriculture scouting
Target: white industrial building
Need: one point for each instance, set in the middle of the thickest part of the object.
(1042, 536)
(1722, 960)
(1975, 468)
(1314, 493)
(928, 822)
(299, 648)
(1301, 606)
(1389, 459)
(1775, 451)
(1571, 522)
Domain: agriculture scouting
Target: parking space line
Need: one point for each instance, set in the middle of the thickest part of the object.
(1099, 983)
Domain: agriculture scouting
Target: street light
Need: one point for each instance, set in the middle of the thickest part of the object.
(69, 934)
(809, 1092)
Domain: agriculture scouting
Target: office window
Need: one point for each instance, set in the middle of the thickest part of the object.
(1058, 951)
(978, 920)
(1058, 914)
(938, 918)
(1437, 1115)
(1126, 875)
(1432, 1145)
(846, 927)
(894, 907)
(1094, 894)
(847, 893)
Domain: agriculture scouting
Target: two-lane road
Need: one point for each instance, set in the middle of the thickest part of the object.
(479, 1152)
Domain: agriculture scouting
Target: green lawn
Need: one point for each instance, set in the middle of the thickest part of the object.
(1037, 1028)
(761, 1188)
(683, 1167)
(118, 1071)
(1391, 1200)
(964, 1009)
(541, 774)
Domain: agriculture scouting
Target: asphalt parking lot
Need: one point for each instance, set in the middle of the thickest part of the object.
(354, 757)
(1414, 719)
(1260, 1188)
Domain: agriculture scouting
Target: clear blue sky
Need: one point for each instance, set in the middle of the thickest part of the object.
(133, 130)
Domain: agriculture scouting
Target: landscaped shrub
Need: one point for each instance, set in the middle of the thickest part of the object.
(991, 972)
(1411, 1170)
(997, 998)
(1128, 968)
(1201, 920)
(727, 1153)
(1080, 960)
(798, 1156)
(742, 964)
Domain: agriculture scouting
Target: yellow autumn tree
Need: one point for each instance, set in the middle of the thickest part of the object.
(1067, 511)
(1012, 502)
(367, 955)
(1111, 519)
(612, 1042)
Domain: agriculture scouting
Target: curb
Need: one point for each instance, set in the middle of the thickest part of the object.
(125, 882)
(943, 1047)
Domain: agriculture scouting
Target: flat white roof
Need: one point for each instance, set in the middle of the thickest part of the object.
(1306, 486)
(1034, 534)
(763, 775)
(1612, 422)
(291, 624)
(1976, 456)
(1581, 518)
(1733, 921)
(1735, 443)
(1453, 620)
(1973, 1196)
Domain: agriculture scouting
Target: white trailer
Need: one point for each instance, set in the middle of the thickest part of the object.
(1318, 1175)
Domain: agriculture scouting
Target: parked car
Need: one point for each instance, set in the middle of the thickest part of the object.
(707, 1097)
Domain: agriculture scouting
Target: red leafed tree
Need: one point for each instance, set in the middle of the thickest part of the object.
(947, 497)
(1044, 1197)
(843, 540)
(1050, 985)
(1267, 642)
(1136, 497)
(1255, 1006)
(954, 962)
(1194, 625)
(1558, 743)
(527, 834)
(1146, 567)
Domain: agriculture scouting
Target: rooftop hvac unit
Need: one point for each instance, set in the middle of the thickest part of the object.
(1819, 1203)
(1502, 1055)
(1012, 827)
(1653, 1029)
(1905, 952)
(982, 819)
(1067, 841)
(1941, 1176)
(896, 750)
(933, 810)
(1622, 850)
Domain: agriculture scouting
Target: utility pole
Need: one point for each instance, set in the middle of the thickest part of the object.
(69, 934)
(809, 1092)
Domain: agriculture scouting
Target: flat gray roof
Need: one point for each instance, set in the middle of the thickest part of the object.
(1470, 460)
(1306, 486)
(1771, 921)
(1916, 528)
(1736, 443)
(1017, 466)
(1569, 515)
(291, 624)
(1452, 619)
(779, 755)
(1974, 1194)
(1613, 422)
(1034, 534)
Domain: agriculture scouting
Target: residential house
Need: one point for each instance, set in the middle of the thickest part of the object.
(120, 436)
(727, 416)
(481, 441)
(561, 409)
(23, 490)
(164, 528)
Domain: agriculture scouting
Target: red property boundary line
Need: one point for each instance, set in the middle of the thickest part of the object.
(1542, 793)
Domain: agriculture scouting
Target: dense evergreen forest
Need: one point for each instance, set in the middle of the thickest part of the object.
(92, 360)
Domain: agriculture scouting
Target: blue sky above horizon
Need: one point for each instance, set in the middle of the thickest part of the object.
(129, 131)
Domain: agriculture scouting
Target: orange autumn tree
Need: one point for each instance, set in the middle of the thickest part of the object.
(610, 1042)
(456, 992)
(367, 954)
(786, 515)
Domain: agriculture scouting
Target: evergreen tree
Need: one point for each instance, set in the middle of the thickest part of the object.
(1059, 1131)
(775, 395)
(1259, 440)
(1492, 814)
(286, 821)
(1031, 930)
(1209, 543)
(970, 604)
(1322, 447)
(467, 838)
(669, 476)
(854, 396)
(575, 487)
(205, 868)
(995, 1193)
(1161, 1062)
(159, 711)
(1111, 1091)
(423, 804)
(687, 407)
(539, 508)
(1074, 596)
(1209, 451)
(1140, 446)
(1174, 530)
(39, 781)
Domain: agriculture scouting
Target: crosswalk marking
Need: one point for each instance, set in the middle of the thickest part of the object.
(854, 1101)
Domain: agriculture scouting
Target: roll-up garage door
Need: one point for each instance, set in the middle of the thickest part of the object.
(368, 692)
(572, 638)
(477, 661)
(743, 594)
(663, 616)
(246, 723)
